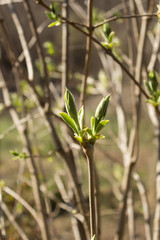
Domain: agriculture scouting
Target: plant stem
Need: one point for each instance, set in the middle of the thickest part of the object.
(88, 151)
(65, 39)
(88, 52)
(156, 225)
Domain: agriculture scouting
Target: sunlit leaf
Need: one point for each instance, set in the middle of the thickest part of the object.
(56, 23)
(69, 121)
(89, 131)
(101, 125)
(81, 117)
(71, 107)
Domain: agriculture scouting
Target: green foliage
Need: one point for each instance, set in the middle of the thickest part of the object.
(109, 37)
(152, 86)
(50, 49)
(17, 155)
(97, 15)
(53, 15)
(74, 119)
(16, 101)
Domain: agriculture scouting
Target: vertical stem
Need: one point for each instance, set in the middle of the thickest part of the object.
(88, 52)
(145, 206)
(156, 225)
(65, 44)
(130, 214)
(39, 50)
(2, 228)
(91, 179)
(97, 204)
(123, 205)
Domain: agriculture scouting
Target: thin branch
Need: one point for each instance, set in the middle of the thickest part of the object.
(156, 223)
(22, 41)
(145, 205)
(88, 151)
(2, 222)
(88, 52)
(65, 50)
(24, 203)
(39, 50)
(109, 52)
(124, 17)
(13, 222)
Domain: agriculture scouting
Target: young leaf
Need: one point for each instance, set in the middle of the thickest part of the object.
(71, 107)
(56, 23)
(69, 121)
(89, 131)
(101, 125)
(101, 110)
(106, 29)
(111, 36)
(81, 117)
(79, 139)
(93, 124)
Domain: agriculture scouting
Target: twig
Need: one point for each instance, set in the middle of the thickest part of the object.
(155, 50)
(109, 52)
(130, 214)
(2, 223)
(24, 203)
(146, 214)
(156, 223)
(39, 50)
(65, 53)
(88, 52)
(124, 17)
(22, 41)
(88, 151)
(13, 222)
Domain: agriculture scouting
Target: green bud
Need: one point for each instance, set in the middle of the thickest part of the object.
(106, 29)
(153, 82)
(101, 110)
(71, 107)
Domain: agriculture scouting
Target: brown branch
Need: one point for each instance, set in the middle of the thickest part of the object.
(65, 50)
(13, 222)
(124, 17)
(145, 205)
(88, 52)
(88, 151)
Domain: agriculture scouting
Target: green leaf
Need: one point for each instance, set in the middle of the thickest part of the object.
(154, 103)
(71, 107)
(111, 36)
(89, 131)
(56, 23)
(82, 132)
(14, 153)
(106, 29)
(93, 124)
(49, 47)
(101, 110)
(69, 121)
(51, 15)
(81, 117)
(101, 125)
(79, 139)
